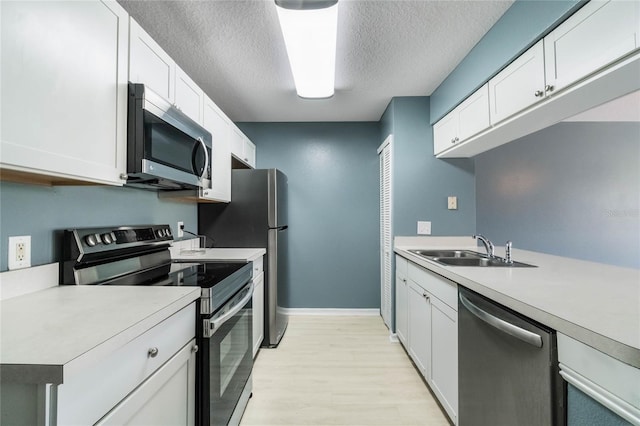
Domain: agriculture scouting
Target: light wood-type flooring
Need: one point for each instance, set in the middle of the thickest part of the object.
(339, 370)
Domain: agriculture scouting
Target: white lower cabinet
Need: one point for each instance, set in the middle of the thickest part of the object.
(153, 372)
(444, 356)
(419, 323)
(432, 323)
(401, 300)
(167, 398)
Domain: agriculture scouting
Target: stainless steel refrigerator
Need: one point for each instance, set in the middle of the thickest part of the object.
(256, 217)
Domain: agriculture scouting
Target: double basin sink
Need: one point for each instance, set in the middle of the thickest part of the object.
(466, 258)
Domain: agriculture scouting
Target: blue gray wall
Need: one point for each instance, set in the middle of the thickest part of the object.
(519, 28)
(40, 210)
(422, 183)
(572, 190)
(333, 209)
(582, 410)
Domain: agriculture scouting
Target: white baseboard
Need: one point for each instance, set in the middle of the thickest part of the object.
(331, 311)
(393, 337)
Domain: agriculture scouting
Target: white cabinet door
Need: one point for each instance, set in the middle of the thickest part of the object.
(419, 324)
(237, 142)
(444, 356)
(166, 398)
(217, 123)
(64, 89)
(473, 114)
(519, 85)
(401, 300)
(445, 132)
(249, 153)
(258, 313)
(593, 37)
(149, 64)
(189, 98)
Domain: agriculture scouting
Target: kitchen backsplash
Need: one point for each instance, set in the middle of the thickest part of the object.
(572, 189)
(40, 210)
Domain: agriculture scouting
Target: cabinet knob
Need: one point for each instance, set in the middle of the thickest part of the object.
(426, 296)
(153, 352)
(194, 348)
(453, 140)
(549, 88)
(539, 93)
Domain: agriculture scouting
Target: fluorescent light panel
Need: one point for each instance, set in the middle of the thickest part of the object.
(310, 38)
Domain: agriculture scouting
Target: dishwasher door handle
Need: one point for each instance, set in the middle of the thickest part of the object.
(502, 325)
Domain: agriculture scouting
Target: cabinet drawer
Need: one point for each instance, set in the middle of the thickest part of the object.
(440, 287)
(87, 397)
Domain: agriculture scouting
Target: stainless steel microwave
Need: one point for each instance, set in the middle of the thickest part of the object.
(166, 149)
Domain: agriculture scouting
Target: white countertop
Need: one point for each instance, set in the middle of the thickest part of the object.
(594, 303)
(46, 336)
(216, 254)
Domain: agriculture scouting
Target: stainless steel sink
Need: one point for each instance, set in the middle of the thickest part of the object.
(479, 261)
(446, 253)
(467, 258)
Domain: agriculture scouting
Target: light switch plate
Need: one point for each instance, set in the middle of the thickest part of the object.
(424, 228)
(452, 203)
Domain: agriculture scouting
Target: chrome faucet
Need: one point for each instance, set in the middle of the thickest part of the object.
(488, 245)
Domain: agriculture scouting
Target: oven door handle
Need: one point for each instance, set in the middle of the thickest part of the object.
(216, 323)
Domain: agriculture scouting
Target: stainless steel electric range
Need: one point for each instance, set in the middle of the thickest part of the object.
(139, 255)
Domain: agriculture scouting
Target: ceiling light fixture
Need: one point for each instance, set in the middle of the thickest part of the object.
(310, 30)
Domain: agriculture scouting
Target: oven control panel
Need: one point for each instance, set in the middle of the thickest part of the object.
(83, 241)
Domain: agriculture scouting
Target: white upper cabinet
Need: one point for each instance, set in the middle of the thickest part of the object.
(519, 85)
(216, 122)
(149, 64)
(595, 36)
(589, 59)
(242, 148)
(473, 114)
(445, 132)
(189, 98)
(466, 120)
(64, 90)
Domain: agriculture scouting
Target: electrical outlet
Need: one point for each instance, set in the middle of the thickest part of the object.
(452, 203)
(424, 228)
(180, 229)
(19, 252)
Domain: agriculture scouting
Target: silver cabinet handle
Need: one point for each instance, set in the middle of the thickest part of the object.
(502, 325)
(453, 140)
(539, 93)
(194, 348)
(153, 352)
(549, 88)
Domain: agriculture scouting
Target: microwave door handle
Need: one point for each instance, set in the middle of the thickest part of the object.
(206, 158)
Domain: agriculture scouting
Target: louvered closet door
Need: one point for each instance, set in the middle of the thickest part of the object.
(386, 251)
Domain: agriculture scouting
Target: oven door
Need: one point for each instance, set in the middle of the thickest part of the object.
(226, 361)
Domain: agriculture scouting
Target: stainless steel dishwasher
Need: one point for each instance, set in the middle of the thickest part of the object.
(508, 367)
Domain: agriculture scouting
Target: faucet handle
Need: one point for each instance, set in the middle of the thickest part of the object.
(507, 252)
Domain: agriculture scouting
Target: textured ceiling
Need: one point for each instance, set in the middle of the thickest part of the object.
(234, 50)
